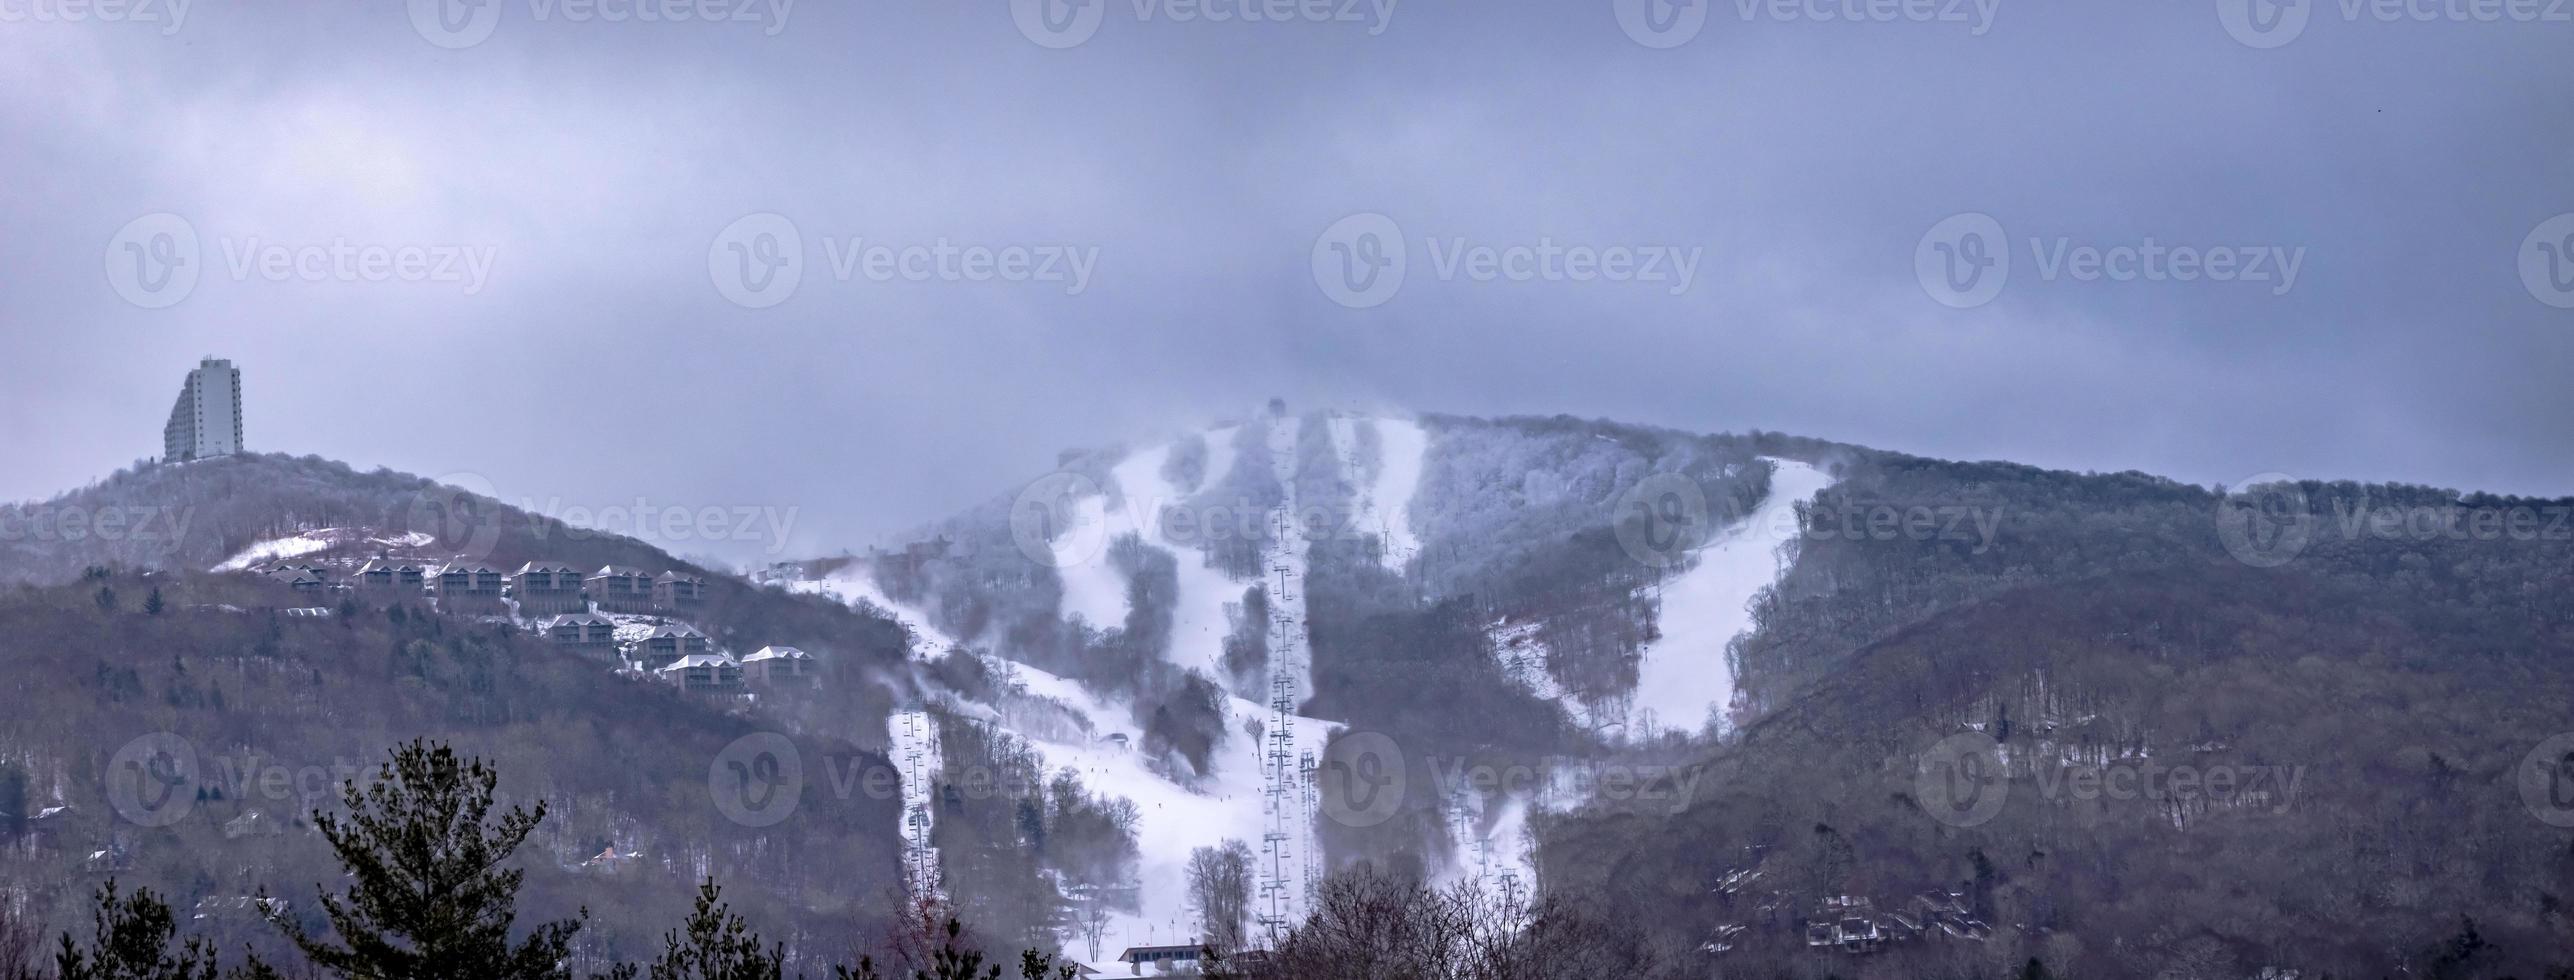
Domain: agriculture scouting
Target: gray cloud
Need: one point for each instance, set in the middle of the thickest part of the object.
(596, 162)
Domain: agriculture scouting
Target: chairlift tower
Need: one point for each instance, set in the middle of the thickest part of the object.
(1287, 800)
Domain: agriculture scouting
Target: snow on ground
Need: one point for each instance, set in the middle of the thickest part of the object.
(1198, 621)
(1384, 505)
(1685, 674)
(1095, 592)
(856, 581)
(1172, 820)
(1493, 844)
(277, 549)
(316, 540)
(408, 539)
(913, 737)
(1523, 658)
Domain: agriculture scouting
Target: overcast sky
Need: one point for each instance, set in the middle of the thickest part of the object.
(549, 286)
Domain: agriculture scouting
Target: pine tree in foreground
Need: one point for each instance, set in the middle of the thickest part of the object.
(717, 945)
(131, 941)
(429, 900)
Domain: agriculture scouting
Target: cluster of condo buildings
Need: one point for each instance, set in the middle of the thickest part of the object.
(572, 608)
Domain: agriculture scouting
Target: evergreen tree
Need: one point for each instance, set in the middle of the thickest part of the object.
(428, 899)
(152, 604)
(131, 941)
(718, 945)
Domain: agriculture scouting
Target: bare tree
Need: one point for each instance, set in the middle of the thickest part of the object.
(1220, 890)
(1370, 926)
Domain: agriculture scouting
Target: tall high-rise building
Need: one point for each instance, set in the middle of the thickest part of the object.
(207, 419)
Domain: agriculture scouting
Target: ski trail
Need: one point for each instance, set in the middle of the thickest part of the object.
(1685, 674)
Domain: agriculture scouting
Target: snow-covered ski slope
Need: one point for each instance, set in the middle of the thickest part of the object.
(1386, 484)
(1685, 674)
(1095, 592)
(1173, 819)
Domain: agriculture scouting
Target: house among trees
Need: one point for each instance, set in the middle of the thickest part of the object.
(1848, 923)
(389, 573)
(548, 587)
(707, 672)
(775, 664)
(1149, 960)
(668, 645)
(617, 588)
(464, 581)
(672, 590)
(301, 578)
(582, 631)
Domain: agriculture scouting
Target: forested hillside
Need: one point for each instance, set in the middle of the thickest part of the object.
(2206, 765)
(276, 710)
